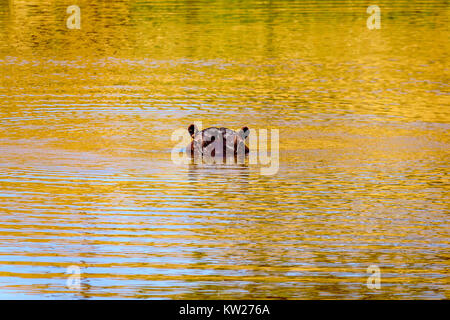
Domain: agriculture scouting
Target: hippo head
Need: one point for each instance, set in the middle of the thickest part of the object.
(215, 141)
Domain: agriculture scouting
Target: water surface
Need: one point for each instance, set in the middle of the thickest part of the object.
(86, 176)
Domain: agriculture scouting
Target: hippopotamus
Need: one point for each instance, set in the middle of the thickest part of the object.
(215, 141)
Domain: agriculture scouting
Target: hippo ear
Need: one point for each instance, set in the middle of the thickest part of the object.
(244, 132)
(192, 130)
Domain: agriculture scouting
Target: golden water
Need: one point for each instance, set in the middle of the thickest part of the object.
(86, 176)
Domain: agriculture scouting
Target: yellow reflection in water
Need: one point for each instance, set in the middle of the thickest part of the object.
(86, 176)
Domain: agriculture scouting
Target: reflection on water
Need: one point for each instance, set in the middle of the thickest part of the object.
(86, 176)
